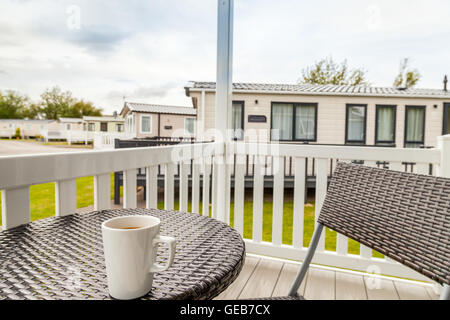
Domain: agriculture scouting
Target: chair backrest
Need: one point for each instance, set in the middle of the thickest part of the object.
(404, 216)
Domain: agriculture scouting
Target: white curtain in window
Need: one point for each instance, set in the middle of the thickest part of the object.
(356, 119)
(305, 122)
(145, 124)
(385, 130)
(282, 116)
(236, 121)
(414, 127)
(190, 125)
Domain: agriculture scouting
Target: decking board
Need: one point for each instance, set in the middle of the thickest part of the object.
(261, 277)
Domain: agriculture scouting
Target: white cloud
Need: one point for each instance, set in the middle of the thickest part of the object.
(148, 50)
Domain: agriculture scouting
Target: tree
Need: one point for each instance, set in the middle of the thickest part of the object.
(55, 103)
(407, 78)
(82, 108)
(31, 111)
(326, 71)
(13, 105)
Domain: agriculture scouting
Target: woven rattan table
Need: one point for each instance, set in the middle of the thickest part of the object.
(62, 257)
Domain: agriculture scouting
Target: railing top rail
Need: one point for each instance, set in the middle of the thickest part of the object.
(22, 170)
(338, 152)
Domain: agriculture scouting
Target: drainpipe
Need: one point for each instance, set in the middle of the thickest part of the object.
(203, 105)
(159, 124)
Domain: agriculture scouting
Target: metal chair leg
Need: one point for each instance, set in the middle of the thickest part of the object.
(309, 255)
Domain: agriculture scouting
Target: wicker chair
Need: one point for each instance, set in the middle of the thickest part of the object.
(404, 216)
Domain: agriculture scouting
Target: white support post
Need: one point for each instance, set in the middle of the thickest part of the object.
(258, 199)
(223, 101)
(321, 190)
(183, 186)
(214, 186)
(102, 192)
(239, 193)
(65, 197)
(151, 187)
(444, 146)
(15, 207)
(299, 202)
(206, 186)
(278, 199)
(169, 172)
(195, 187)
(228, 165)
(129, 189)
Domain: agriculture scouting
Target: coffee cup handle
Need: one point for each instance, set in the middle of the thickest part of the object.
(171, 242)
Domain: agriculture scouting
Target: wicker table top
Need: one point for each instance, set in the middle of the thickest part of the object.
(62, 257)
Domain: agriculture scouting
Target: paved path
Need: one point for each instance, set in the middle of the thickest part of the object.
(14, 147)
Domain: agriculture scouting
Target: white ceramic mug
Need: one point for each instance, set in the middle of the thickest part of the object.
(130, 254)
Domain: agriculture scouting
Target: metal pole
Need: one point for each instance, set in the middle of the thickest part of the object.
(223, 102)
(309, 255)
(445, 295)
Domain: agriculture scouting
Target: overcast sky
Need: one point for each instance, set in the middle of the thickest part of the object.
(147, 50)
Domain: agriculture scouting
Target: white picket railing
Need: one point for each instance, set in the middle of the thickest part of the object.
(18, 173)
(105, 140)
(323, 156)
(69, 135)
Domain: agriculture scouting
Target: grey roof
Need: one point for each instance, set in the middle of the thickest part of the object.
(156, 108)
(330, 90)
(27, 120)
(70, 119)
(103, 118)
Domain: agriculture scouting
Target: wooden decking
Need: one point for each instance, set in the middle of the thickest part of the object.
(263, 277)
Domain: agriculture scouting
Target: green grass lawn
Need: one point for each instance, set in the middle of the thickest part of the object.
(43, 205)
(330, 235)
(42, 197)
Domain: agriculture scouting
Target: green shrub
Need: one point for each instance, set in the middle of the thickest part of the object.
(17, 134)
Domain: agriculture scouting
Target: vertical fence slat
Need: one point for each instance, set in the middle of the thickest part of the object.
(397, 166)
(422, 168)
(228, 168)
(195, 187)
(258, 198)
(365, 252)
(129, 189)
(299, 202)
(169, 172)
(151, 187)
(183, 184)
(102, 192)
(278, 164)
(321, 190)
(66, 197)
(15, 207)
(214, 186)
(206, 186)
(239, 193)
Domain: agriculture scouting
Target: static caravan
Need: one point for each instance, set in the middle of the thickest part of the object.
(327, 114)
(71, 124)
(151, 120)
(112, 123)
(28, 128)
